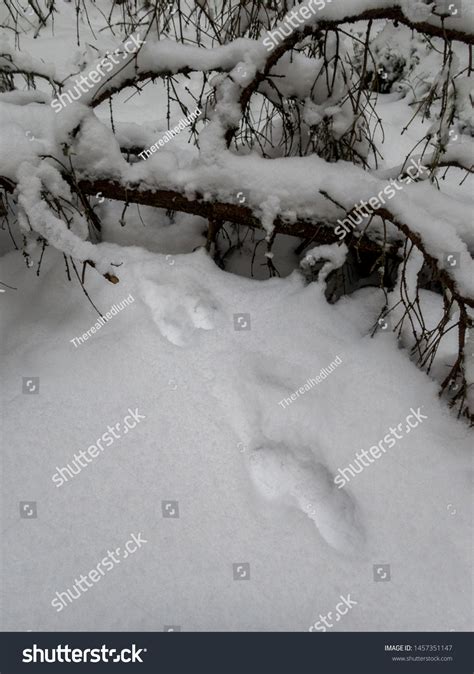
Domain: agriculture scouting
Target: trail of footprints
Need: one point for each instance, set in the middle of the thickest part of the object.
(292, 477)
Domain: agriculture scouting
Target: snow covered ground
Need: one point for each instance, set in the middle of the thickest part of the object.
(210, 396)
(234, 494)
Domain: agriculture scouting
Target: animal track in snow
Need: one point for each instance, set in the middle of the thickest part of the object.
(177, 312)
(307, 484)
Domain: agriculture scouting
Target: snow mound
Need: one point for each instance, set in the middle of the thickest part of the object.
(178, 314)
(303, 482)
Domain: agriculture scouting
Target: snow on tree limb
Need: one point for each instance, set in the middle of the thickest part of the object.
(39, 191)
(166, 57)
(293, 127)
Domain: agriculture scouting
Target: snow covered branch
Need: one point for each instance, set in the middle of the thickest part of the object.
(167, 58)
(294, 101)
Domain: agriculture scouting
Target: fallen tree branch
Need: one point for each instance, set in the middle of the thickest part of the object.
(218, 211)
(394, 14)
(431, 261)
